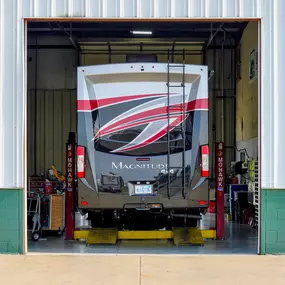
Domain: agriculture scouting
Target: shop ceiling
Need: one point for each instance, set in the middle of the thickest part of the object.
(197, 36)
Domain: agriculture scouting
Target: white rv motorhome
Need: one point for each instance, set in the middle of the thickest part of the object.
(142, 143)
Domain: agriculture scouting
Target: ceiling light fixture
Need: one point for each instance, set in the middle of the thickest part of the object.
(141, 32)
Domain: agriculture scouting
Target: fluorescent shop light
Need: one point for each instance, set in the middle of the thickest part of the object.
(141, 32)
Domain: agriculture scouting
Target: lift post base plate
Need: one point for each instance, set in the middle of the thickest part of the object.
(102, 236)
(110, 236)
(187, 236)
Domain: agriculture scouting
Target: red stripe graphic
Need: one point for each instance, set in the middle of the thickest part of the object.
(144, 117)
(91, 105)
(150, 113)
(108, 131)
(131, 121)
(153, 138)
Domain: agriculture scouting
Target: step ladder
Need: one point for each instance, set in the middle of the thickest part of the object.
(181, 111)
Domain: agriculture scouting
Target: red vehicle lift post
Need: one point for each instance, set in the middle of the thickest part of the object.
(70, 187)
(220, 190)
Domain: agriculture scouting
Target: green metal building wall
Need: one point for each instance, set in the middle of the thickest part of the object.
(273, 222)
(11, 221)
(12, 88)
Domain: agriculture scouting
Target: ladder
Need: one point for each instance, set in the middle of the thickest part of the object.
(180, 111)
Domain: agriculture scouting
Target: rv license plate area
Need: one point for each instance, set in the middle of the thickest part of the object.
(143, 189)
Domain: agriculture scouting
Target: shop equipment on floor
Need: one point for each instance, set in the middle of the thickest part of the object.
(49, 211)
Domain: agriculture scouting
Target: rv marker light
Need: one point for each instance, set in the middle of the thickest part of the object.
(81, 162)
(205, 160)
(84, 203)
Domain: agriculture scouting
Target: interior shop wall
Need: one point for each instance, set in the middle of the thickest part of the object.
(247, 93)
(51, 104)
(93, 59)
(52, 100)
(222, 104)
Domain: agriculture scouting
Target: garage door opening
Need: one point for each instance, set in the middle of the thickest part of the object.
(229, 53)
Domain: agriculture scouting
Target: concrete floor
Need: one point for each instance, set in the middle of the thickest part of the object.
(142, 270)
(240, 239)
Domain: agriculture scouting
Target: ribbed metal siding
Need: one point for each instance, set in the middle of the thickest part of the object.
(140, 8)
(51, 116)
(12, 67)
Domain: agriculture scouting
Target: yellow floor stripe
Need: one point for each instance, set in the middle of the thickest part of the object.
(145, 235)
(83, 234)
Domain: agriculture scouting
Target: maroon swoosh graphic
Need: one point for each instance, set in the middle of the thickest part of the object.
(150, 113)
(162, 111)
(91, 105)
(130, 125)
(156, 136)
